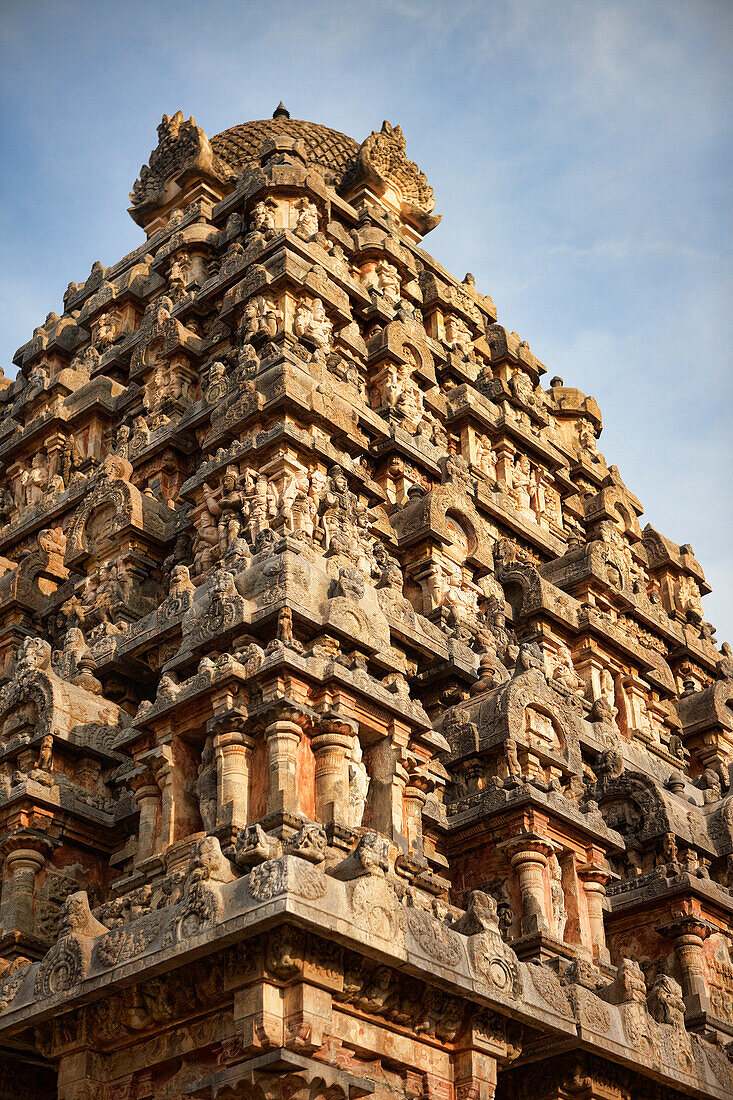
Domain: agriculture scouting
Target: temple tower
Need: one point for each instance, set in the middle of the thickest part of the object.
(356, 738)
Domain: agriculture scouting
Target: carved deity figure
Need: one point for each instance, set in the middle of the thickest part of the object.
(312, 323)
(227, 508)
(206, 542)
(587, 438)
(401, 393)
(485, 458)
(205, 786)
(180, 582)
(140, 436)
(52, 540)
(178, 277)
(358, 785)
(33, 653)
(339, 261)
(438, 583)
(388, 569)
(498, 637)
(553, 507)
(263, 218)
(70, 460)
(457, 334)
(522, 485)
(298, 506)
(261, 317)
(307, 223)
(607, 688)
(514, 768)
(665, 1002)
(34, 482)
(106, 329)
(557, 897)
(563, 671)
(217, 385)
(521, 387)
(388, 281)
(337, 507)
(285, 626)
(122, 441)
(66, 660)
(38, 381)
(260, 503)
(45, 756)
(688, 597)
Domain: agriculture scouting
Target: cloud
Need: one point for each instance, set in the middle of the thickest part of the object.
(579, 152)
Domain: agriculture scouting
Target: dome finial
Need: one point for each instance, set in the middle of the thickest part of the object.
(281, 111)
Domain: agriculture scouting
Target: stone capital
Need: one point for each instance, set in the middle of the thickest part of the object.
(688, 927)
(528, 847)
(595, 873)
(25, 859)
(228, 722)
(31, 848)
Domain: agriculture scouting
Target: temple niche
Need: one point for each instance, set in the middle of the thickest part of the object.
(356, 738)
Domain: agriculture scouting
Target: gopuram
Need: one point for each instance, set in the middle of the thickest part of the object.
(356, 739)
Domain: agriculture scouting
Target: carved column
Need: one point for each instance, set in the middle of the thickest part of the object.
(147, 799)
(482, 1049)
(687, 933)
(331, 747)
(594, 878)
(414, 799)
(172, 762)
(161, 762)
(233, 752)
(400, 777)
(529, 855)
(16, 907)
(81, 1076)
(283, 738)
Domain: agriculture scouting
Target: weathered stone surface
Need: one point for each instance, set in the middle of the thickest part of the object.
(355, 737)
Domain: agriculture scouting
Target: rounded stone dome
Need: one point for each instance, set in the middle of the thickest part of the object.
(331, 150)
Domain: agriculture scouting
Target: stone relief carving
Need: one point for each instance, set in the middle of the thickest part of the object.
(303, 538)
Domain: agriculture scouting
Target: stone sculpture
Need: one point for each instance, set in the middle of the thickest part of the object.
(355, 734)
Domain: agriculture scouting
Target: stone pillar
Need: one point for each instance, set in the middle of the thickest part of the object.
(16, 908)
(332, 747)
(233, 753)
(480, 1050)
(81, 1076)
(147, 799)
(161, 763)
(687, 933)
(475, 1075)
(529, 855)
(594, 878)
(399, 783)
(414, 799)
(504, 463)
(283, 739)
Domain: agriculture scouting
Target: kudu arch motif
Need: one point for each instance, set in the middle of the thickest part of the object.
(355, 738)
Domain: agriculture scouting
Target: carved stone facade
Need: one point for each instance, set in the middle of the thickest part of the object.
(355, 738)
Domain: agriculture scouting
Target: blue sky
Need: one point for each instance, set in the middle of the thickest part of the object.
(579, 152)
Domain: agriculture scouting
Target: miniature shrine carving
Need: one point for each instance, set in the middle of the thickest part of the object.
(356, 739)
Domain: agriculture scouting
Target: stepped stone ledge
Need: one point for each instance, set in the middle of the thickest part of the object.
(356, 738)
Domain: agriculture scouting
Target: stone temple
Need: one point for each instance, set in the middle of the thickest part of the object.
(356, 740)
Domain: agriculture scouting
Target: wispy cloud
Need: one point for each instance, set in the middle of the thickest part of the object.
(580, 153)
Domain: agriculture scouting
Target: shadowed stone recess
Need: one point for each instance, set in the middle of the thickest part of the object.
(356, 737)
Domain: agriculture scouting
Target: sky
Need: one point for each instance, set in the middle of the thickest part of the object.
(579, 151)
